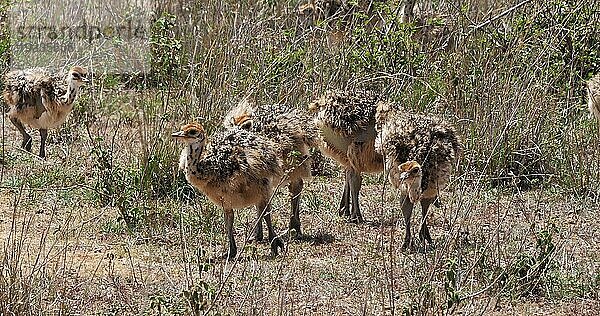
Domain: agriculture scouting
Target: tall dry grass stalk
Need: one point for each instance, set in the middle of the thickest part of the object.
(517, 221)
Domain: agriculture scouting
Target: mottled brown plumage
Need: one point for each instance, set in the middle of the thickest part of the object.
(593, 86)
(293, 131)
(41, 100)
(419, 153)
(346, 121)
(234, 170)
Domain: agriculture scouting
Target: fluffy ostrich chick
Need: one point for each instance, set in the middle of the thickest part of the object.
(236, 169)
(346, 121)
(419, 152)
(40, 100)
(293, 131)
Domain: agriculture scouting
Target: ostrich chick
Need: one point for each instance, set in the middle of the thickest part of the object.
(346, 121)
(409, 180)
(419, 154)
(294, 132)
(40, 100)
(594, 95)
(235, 170)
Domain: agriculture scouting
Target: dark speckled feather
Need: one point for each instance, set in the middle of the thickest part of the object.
(430, 141)
(23, 87)
(292, 129)
(233, 151)
(347, 113)
(285, 125)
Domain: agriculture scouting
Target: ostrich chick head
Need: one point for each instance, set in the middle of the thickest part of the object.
(411, 175)
(77, 76)
(190, 134)
(244, 121)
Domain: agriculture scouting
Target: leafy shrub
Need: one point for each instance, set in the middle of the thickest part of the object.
(166, 50)
(388, 47)
(129, 186)
(527, 274)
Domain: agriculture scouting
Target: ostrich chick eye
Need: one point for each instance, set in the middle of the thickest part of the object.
(416, 170)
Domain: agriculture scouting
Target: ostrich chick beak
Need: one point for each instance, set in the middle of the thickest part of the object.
(178, 134)
(404, 175)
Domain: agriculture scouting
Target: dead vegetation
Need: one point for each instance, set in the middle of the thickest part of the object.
(107, 225)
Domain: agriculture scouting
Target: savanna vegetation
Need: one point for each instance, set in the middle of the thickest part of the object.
(107, 225)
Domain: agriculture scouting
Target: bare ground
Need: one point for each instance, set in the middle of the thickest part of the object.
(515, 92)
(63, 252)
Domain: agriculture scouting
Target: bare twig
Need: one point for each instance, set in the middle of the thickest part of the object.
(505, 12)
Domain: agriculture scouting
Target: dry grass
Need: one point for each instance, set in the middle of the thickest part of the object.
(107, 226)
(67, 254)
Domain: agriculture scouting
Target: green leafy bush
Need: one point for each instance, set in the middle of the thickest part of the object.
(166, 49)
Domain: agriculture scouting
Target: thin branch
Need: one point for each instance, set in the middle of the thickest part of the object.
(507, 11)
